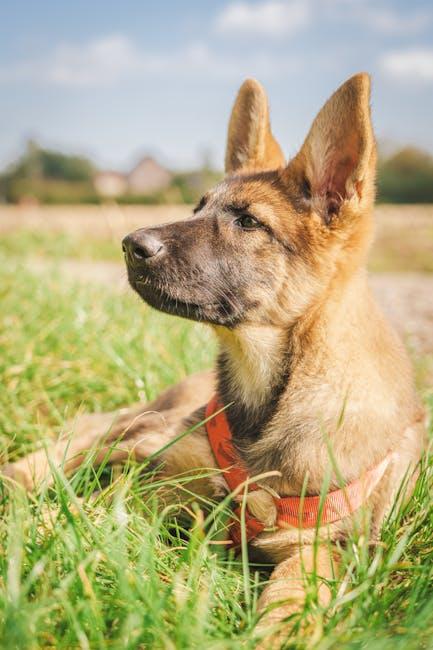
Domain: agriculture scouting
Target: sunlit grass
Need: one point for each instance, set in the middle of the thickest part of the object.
(54, 244)
(108, 569)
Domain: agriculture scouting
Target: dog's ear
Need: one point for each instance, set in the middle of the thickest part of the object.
(337, 161)
(250, 143)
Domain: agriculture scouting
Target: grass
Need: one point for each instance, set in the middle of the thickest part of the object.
(111, 570)
(60, 245)
(403, 249)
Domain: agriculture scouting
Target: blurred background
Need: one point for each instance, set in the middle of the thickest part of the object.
(130, 100)
(114, 116)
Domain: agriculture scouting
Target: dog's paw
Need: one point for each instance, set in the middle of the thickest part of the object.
(17, 475)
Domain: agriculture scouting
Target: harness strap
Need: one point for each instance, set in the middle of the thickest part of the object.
(306, 512)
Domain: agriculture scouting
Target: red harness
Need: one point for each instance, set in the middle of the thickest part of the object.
(291, 511)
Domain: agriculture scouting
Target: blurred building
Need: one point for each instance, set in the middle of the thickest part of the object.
(110, 184)
(147, 177)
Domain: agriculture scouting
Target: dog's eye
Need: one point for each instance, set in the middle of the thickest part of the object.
(247, 222)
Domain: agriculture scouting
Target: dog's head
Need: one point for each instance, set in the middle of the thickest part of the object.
(266, 242)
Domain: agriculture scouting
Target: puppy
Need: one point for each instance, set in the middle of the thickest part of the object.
(313, 390)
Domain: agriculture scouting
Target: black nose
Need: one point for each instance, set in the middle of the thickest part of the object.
(141, 245)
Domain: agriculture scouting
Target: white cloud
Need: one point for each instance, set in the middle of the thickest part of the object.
(390, 21)
(379, 16)
(278, 18)
(272, 18)
(105, 59)
(409, 65)
(109, 60)
(102, 61)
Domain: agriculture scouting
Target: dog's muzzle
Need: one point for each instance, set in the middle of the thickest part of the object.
(141, 247)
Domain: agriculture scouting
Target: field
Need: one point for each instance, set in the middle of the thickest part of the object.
(92, 562)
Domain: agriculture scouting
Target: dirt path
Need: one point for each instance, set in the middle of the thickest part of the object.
(407, 298)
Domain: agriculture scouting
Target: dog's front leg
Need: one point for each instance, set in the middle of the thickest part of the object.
(134, 435)
(115, 436)
(287, 589)
(102, 436)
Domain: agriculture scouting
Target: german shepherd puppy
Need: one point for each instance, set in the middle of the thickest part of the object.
(273, 258)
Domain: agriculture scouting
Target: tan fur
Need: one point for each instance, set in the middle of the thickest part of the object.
(250, 143)
(285, 594)
(254, 353)
(340, 134)
(351, 388)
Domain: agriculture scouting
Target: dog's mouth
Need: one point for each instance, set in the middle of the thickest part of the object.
(161, 299)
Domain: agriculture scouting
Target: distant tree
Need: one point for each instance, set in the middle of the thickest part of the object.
(53, 177)
(45, 174)
(406, 177)
(44, 163)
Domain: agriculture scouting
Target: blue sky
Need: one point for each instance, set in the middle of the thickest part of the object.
(117, 79)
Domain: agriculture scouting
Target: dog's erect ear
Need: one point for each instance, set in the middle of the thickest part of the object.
(338, 158)
(250, 143)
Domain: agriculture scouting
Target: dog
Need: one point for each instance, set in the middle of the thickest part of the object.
(312, 385)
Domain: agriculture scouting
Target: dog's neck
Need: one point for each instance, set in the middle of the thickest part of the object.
(253, 370)
(250, 363)
(256, 363)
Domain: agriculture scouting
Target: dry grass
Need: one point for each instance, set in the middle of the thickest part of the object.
(404, 239)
